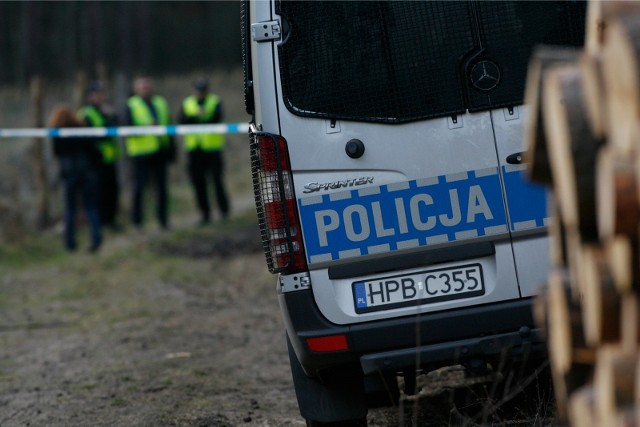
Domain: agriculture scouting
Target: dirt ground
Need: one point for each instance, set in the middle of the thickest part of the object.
(154, 330)
(161, 329)
(176, 329)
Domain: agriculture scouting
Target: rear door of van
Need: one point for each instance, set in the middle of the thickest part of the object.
(399, 119)
(511, 29)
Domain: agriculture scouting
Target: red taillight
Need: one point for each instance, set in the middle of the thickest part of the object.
(275, 203)
(327, 344)
(268, 145)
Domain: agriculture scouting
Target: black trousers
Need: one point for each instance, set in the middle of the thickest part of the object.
(153, 167)
(80, 178)
(204, 164)
(109, 194)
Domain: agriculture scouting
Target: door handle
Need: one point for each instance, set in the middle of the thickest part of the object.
(515, 158)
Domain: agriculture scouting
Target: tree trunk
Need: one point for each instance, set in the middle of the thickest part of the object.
(79, 89)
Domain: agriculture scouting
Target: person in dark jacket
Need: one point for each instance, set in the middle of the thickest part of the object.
(79, 159)
(96, 114)
(205, 150)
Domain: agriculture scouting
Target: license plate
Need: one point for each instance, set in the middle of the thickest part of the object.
(425, 287)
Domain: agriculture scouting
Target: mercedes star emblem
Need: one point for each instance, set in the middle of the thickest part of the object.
(485, 75)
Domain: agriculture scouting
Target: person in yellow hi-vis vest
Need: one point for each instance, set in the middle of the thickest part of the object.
(150, 154)
(205, 150)
(95, 113)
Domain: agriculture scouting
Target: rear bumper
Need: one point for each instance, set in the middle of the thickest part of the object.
(517, 345)
(431, 340)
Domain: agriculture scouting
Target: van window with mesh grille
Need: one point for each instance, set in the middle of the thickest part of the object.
(401, 61)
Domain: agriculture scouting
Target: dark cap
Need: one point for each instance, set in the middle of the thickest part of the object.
(95, 86)
(201, 84)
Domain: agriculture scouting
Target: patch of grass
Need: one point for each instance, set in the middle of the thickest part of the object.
(7, 376)
(127, 313)
(87, 386)
(85, 289)
(79, 287)
(119, 402)
(181, 200)
(34, 249)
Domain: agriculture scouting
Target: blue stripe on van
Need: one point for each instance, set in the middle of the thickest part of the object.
(526, 201)
(390, 217)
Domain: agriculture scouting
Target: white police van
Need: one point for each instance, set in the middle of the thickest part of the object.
(386, 141)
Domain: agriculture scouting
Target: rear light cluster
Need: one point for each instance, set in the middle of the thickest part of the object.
(275, 204)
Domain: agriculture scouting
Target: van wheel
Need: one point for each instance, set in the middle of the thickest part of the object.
(361, 422)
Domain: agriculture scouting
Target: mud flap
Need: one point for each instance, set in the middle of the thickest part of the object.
(340, 398)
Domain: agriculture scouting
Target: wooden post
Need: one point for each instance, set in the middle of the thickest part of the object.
(43, 217)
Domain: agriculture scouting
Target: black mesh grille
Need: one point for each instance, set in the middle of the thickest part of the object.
(399, 61)
(271, 187)
(509, 32)
(359, 60)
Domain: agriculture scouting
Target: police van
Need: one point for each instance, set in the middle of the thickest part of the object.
(386, 150)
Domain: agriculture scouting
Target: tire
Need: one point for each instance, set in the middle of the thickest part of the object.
(361, 422)
(338, 403)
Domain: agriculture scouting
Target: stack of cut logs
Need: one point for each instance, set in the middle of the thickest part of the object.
(583, 140)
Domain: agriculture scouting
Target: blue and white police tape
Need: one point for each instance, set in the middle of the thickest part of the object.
(222, 128)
